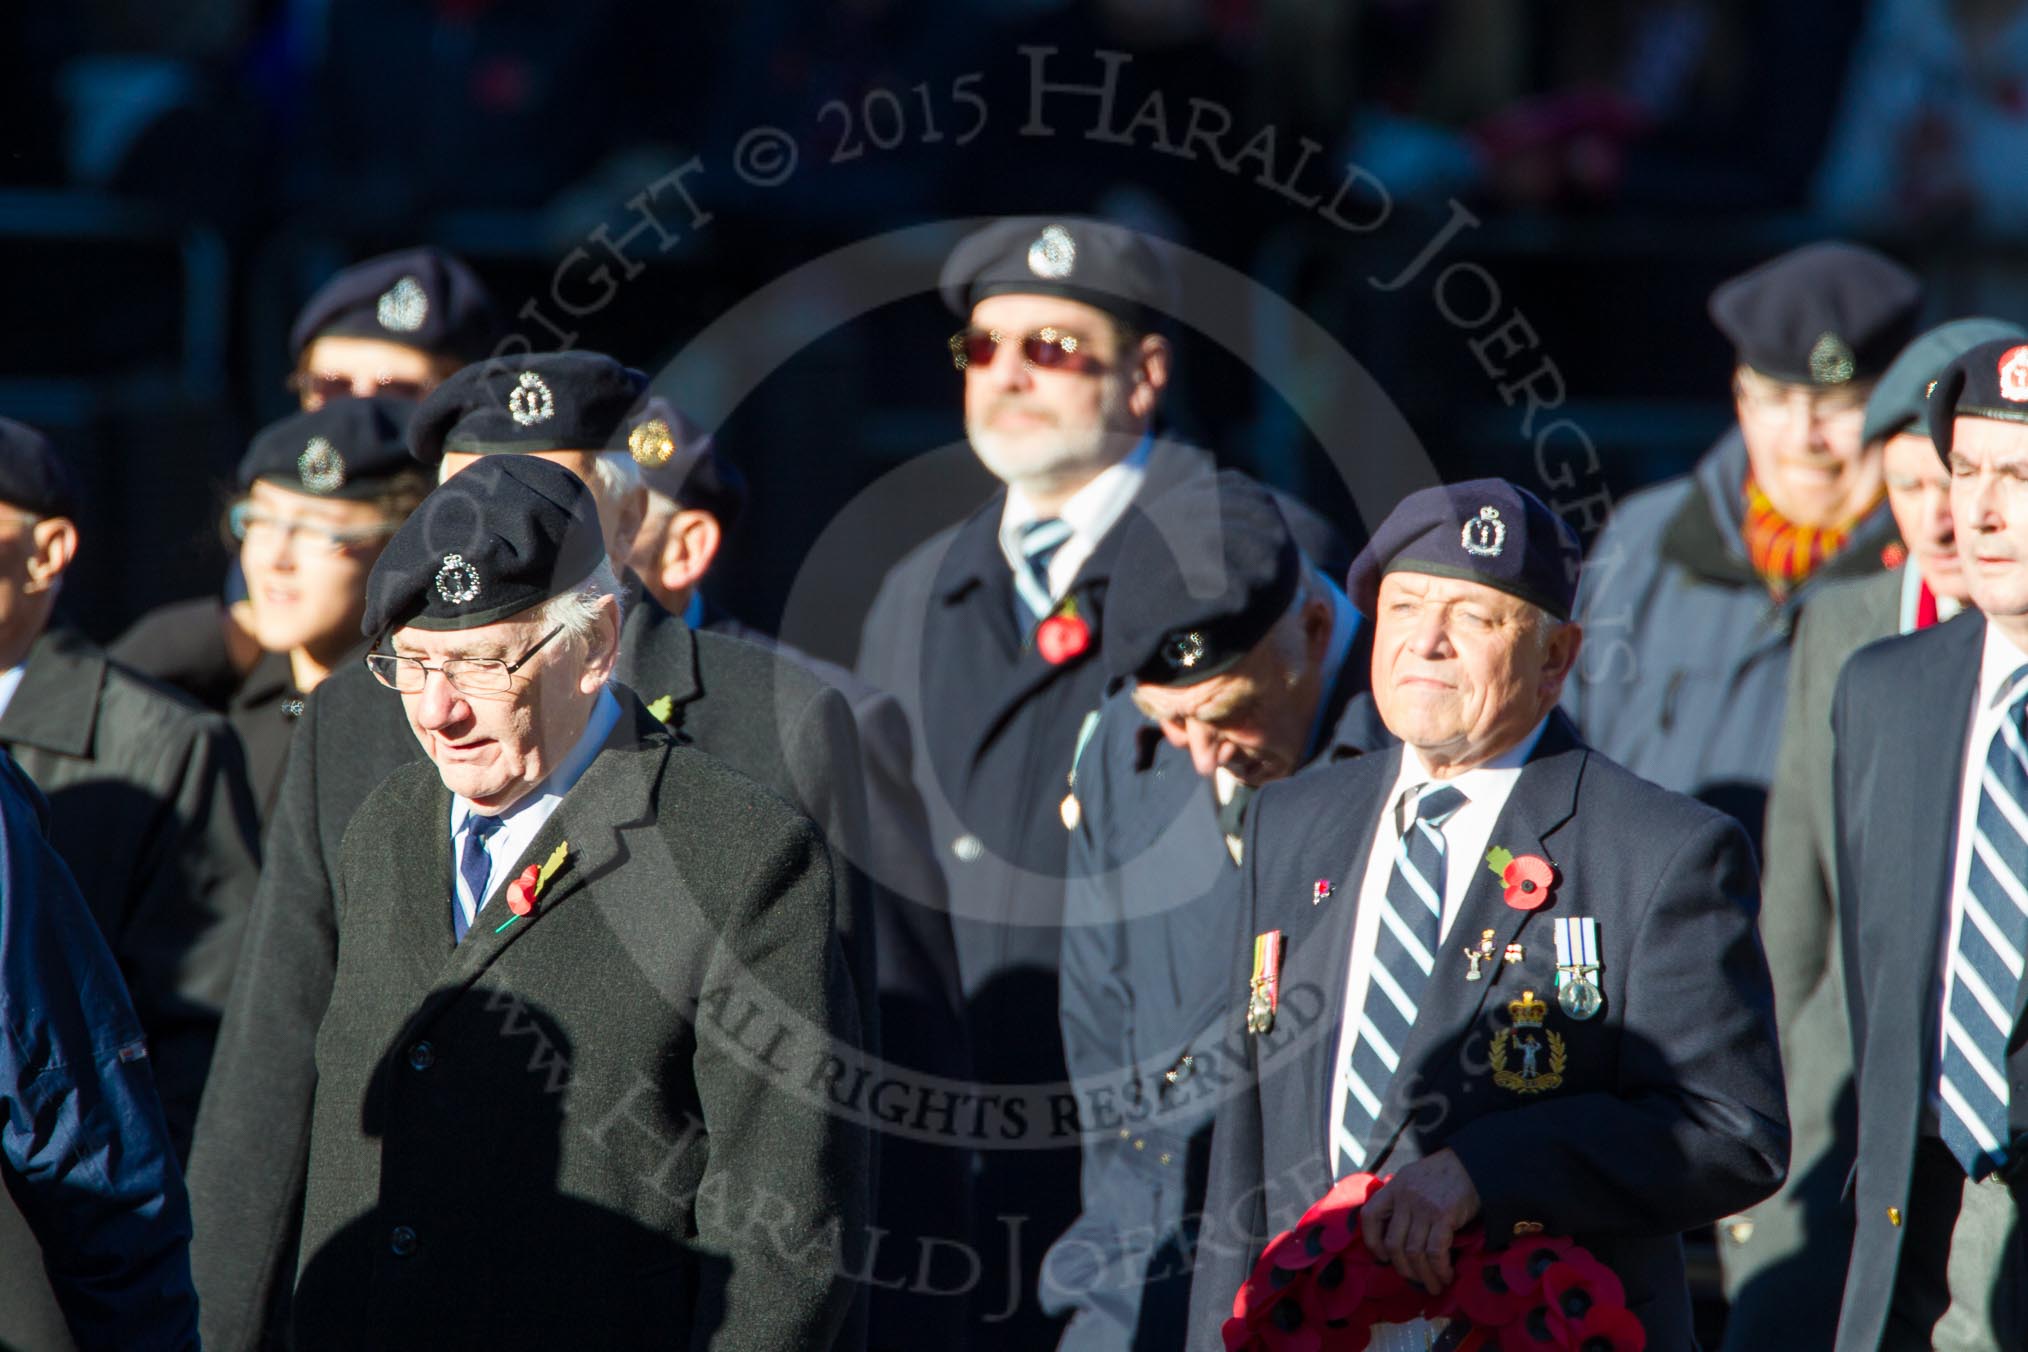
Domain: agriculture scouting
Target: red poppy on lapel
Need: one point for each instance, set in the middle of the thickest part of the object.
(521, 892)
(1525, 880)
(1063, 635)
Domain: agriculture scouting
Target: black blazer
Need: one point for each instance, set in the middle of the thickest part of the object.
(1900, 719)
(1670, 1112)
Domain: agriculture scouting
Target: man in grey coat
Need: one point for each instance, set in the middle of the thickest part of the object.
(1784, 1261)
(543, 1083)
(1691, 594)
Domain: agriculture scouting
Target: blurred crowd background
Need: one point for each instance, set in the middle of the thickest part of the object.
(175, 179)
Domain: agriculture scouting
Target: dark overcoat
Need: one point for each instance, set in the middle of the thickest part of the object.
(588, 1125)
(1669, 1113)
(765, 718)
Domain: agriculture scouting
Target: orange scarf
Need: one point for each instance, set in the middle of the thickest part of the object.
(1782, 552)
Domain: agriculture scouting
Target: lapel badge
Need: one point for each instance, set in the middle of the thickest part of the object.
(1513, 954)
(1063, 634)
(1320, 890)
(1265, 994)
(1540, 1053)
(661, 707)
(1481, 952)
(1577, 965)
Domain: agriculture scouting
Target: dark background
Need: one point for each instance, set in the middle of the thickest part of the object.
(176, 179)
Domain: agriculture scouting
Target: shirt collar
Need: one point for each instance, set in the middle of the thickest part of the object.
(2002, 658)
(1091, 511)
(1474, 783)
(605, 714)
(10, 682)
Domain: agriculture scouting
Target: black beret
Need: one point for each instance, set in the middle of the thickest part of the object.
(537, 401)
(1483, 530)
(1824, 314)
(1987, 381)
(1900, 402)
(507, 533)
(349, 448)
(1203, 573)
(421, 298)
(33, 477)
(1119, 270)
(678, 460)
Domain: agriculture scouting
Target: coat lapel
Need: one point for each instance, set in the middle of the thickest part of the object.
(57, 705)
(1543, 798)
(420, 889)
(651, 639)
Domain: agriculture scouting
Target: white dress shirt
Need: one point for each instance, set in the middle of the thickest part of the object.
(2001, 659)
(10, 681)
(1091, 512)
(1911, 597)
(1466, 838)
(520, 823)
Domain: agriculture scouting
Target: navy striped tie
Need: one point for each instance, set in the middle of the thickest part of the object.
(1986, 961)
(475, 868)
(1039, 542)
(1404, 951)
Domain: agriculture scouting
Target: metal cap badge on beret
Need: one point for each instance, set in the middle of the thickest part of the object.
(505, 534)
(33, 477)
(421, 298)
(1203, 573)
(1987, 381)
(349, 448)
(1116, 269)
(537, 401)
(1825, 314)
(678, 460)
(1900, 402)
(1483, 530)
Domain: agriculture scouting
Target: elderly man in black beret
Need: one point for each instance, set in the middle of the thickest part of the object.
(766, 717)
(990, 635)
(1696, 584)
(1932, 850)
(1785, 1263)
(148, 805)
(1492, 964)
(1234, 663)
(562, 870)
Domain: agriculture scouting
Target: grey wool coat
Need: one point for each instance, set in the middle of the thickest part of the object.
(568, 1129)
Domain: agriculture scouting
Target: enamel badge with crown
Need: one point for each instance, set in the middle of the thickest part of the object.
(1527, 1058)
(457, 580)
(531, 402)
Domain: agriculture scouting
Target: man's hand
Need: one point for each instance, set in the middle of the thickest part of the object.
(1412, 1220)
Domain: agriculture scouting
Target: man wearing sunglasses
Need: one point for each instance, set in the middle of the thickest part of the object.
(989, 633)
(148, 805)
(523, 1049)
(393, 325)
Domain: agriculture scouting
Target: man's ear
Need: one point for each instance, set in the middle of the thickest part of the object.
(1150, 374)
(1561, 658)
(55, 546)
(602, 654)
(689, 548)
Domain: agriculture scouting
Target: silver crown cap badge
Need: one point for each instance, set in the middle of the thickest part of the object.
(1053, 254)
(320, 467)
(403, 307)
(1485, 534)
(531, 402)
(457, 581)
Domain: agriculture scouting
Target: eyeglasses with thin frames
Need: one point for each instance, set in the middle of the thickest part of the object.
(467, 675)
(248, 522)
(1046, 349)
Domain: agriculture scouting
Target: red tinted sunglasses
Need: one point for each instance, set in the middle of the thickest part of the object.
(1047, 349)
(328, 388)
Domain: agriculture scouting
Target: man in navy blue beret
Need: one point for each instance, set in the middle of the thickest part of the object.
(1234, 663)
(1491, 963)
(149, 806)
(396, 324)
(1932, 853)
(1697, 583)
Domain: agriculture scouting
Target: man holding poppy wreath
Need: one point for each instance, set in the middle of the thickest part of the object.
(1545, 1010)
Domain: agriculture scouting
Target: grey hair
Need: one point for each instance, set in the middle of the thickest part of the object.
(576, 611)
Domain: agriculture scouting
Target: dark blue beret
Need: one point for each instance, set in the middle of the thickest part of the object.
(349, 448)
(1202, 574)
(1119, 270)
(1483, 530)
(678, 460)
(1900, 402)
(505, 534)
(1824, 314)
(33, 477)
(1987, 381)
(421, 298)
(537, 401)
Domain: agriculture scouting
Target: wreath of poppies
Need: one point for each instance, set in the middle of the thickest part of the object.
(1317, 1288)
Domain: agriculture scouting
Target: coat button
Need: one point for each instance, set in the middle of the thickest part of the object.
(1894, 1216)
(421, 1056)
(401, 1243)
(967, 847)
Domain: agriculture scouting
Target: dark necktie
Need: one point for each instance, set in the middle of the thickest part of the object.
(475, 866)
